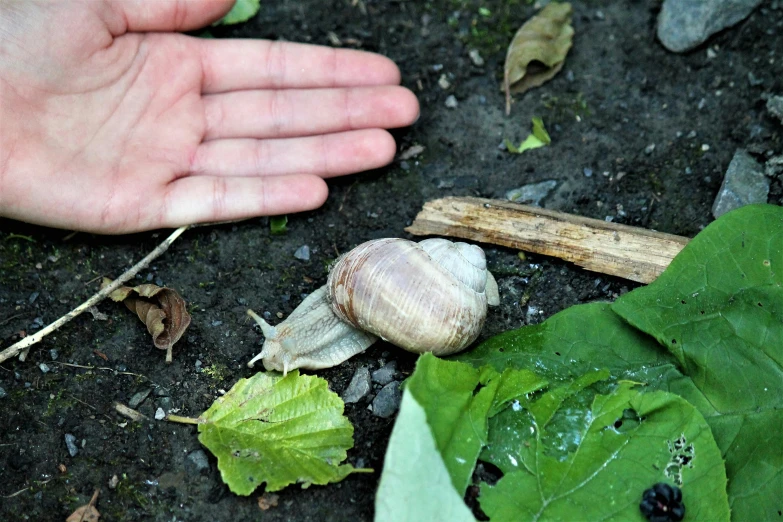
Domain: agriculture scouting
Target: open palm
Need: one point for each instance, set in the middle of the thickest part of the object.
(109, 123)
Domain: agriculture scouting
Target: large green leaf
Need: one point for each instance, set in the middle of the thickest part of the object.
(573, 342)
(457, 400)
(278, 430)
(611, 463)
(415, 484)
(719, 309)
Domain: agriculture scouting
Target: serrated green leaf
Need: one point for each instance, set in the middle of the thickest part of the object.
(457, 400)
(604, 477)
(242, 11)
(278, 430)
(415, 484)
(718, 308)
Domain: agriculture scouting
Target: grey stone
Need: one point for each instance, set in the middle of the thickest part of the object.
(197, 463)
(774, 166)
(160, 414)
(775, 106)
(743, 184)
(686, 24)
(387, 401)
(44, 368)
(70, 443)
(3, 393)
(359, 386)
(533, 193)
(451, 102)
(139, 398)
(385, 374)
(303, 253)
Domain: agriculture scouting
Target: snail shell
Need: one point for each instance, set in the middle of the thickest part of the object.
(424, 297)
(430, 296)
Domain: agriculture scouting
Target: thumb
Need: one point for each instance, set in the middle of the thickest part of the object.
(170, 15)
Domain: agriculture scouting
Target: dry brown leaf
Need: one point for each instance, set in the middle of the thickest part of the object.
(538, 50)
(86, 513)
(161, 309)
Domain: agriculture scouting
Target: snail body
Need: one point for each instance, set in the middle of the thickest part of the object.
(430, 296)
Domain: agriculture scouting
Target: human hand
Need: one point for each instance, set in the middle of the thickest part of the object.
(109, 127)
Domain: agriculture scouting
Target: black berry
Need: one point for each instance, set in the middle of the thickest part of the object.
(662, 503)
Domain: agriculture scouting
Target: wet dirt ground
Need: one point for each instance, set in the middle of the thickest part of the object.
(619, 92)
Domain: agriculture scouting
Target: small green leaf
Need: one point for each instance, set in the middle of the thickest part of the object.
(278, 430)
(604, 476)
(539, 138)
(415, 484)
(242, 11)
(277, 224)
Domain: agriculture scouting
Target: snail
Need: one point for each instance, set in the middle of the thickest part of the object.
(430, 296)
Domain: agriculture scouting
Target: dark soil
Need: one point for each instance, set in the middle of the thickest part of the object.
(619, 92)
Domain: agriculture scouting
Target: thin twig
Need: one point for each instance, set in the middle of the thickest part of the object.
(30, 340)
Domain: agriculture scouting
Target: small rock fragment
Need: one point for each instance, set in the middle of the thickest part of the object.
(532, 194)
(267, 501)
(387, 401)
(303, 253)
(385, 374)
(53, 354)
(649, 149)
(686, 24)
(3, 393)
(138, 398)
(451, 102)
(197, 463)
(359, 386)
(113, 481)
(475, 57)
(70, 443)
(160, 414)
(743, 184)
(775, 106)
(44, 368)
(443, 82)
(774, 166)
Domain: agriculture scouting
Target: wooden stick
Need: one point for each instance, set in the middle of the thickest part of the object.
(629, 252)
(30, 340)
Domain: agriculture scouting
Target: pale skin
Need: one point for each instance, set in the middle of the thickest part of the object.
(111, 122)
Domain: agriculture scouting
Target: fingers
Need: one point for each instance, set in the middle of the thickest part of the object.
(297, 112)
(229, 65)
(170, 15)
(204, 198)
(324, 156)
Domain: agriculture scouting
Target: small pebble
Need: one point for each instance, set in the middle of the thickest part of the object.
(70, 443)
(53, 354)
(303, 253)
(44, 367)
(3, 393)
(649, 149)
(587, 172)
(385, 374)
(113, 481)
(359, 386)
(451, 102)
(138, 398)
(476, 58)
(387, 401)
(197, 463)
(33, 297)
(160, 414)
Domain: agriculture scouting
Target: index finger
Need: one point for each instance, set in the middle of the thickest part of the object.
(229, 65)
